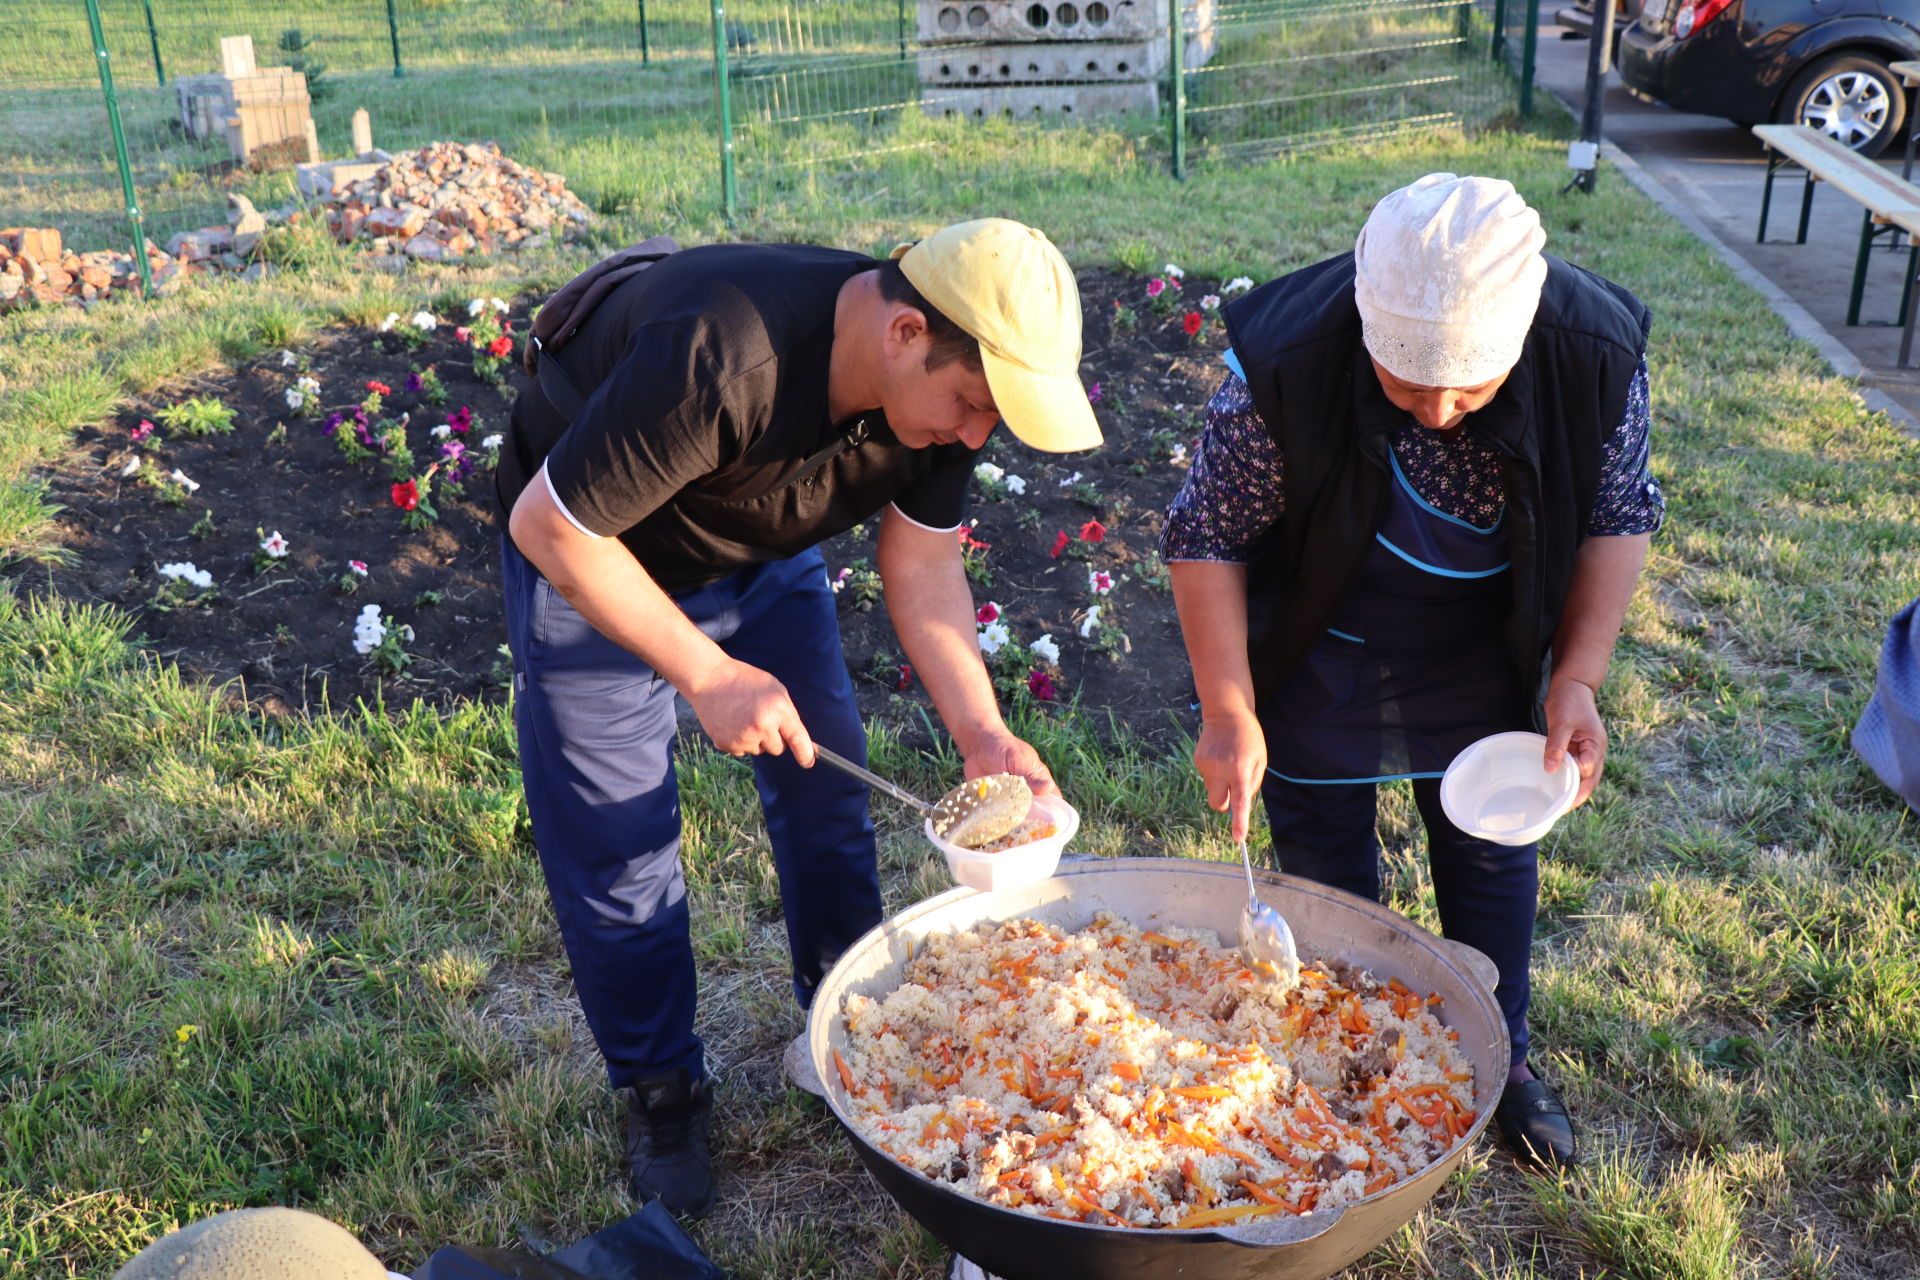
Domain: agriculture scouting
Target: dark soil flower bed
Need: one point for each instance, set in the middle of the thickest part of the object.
(280, 629)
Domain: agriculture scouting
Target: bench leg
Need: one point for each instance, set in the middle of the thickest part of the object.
(1766, 194)
(1806, 209)
(1860, 268)
(1906, 321)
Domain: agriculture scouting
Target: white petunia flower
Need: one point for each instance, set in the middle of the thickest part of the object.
(1239, 284)
(1016, 486)
(493, 441)
(993, 636)
(1045, 649)
(368, 630)
(185, 571)
(274, 545)
(1099, 581)
(308, 384)
(132, 465)
(1093, 617)
(295, 398)
(1173, 272)
(441, 432)
(1210, 302)
(475, 307)
(1179, 456)
(497, 305)
(425, 320)
(393, 318)
(987, 471)
(288, 359)
(179, 477)
(1072, 479)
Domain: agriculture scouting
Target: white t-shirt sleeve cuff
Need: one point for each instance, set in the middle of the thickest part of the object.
(547, 480)
(952, 528)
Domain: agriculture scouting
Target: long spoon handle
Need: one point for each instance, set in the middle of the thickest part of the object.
(872, 779)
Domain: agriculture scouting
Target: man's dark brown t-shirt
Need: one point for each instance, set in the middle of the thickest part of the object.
(706, 393)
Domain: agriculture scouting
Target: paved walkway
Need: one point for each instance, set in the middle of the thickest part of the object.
(1710, 174)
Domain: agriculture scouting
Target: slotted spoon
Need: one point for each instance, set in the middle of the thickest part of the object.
(1265, 938)
(977, 812)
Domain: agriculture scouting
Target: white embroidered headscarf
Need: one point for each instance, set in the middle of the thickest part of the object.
(1447, 275)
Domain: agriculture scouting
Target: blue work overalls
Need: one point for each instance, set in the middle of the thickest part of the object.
(596, 728)
(1412, 670)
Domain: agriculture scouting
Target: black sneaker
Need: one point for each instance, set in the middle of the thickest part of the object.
(667, 1147)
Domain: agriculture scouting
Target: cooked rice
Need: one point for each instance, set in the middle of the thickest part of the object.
(1146, 1079)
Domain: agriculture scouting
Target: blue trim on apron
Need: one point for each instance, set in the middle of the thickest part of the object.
(1232, 362)
(1432, 674)
(1432, 510)
(1435, 569)
(1339, 782)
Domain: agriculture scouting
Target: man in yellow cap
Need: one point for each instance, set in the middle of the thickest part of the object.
(739, 404)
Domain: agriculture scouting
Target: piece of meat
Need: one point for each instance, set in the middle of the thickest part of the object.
(956, 1169)
(1225, 1006)
(1368, 1063)
(1330, 1166)
(1163, 954)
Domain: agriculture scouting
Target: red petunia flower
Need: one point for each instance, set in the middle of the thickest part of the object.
(1191, 322)
(1093, 531)
(988, 612)
(970, 543)
(500, 346)
(906, 677)
(379, 388)
(406, 495)
(1060, 544)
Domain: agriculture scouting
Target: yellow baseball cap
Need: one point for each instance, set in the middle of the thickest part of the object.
(1005, 284)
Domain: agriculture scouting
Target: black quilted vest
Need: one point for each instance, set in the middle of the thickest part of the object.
(1298, 338)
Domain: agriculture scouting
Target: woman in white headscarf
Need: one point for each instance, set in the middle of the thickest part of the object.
(1416, 518)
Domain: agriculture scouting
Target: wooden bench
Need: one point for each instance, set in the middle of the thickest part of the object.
(1891, 206)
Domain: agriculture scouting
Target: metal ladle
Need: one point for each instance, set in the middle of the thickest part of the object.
(1265, 938)
(977, 812)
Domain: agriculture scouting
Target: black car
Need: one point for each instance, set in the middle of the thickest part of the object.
(1821, 63)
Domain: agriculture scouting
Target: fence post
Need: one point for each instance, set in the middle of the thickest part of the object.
(644, 56)
(723, 106)
(1528, 47)
(153, 38)
(1497, 46)
(900, 17)
(1177, 85)
(393, 35)
(135, 219)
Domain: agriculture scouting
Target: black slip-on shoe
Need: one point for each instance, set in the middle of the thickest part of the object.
(668, 1153)
(1534, 1122)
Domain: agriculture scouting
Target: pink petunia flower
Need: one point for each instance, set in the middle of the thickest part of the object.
(988, 612)
(142, 431)
(358, 566)
(1156, 287)
(462, 334)
(1040, 685)
(1093, 394)
(1099, 581)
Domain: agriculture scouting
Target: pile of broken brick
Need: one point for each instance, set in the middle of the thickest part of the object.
(438, 203)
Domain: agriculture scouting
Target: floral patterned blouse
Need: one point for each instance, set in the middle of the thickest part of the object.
(1233, 491)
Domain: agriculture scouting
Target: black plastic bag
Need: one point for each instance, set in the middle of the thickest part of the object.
(647, 1246)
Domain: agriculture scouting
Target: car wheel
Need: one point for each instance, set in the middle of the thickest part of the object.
(1852, 98)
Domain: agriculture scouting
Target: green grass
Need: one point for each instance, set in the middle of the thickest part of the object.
(348, 910)
(817, 92)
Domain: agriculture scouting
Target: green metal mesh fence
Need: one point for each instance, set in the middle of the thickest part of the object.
(680, 104)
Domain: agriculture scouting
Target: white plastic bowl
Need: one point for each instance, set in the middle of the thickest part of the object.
(1024, 863)
(1499, 789)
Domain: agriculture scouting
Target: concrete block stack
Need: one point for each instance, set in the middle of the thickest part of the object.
(1052, 58)
(264, 113)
